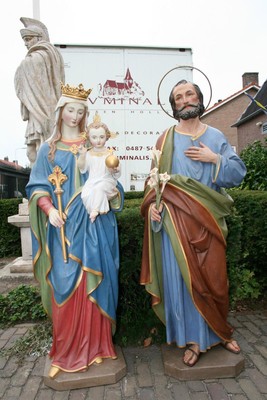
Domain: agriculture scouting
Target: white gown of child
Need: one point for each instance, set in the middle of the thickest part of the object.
(100, 186)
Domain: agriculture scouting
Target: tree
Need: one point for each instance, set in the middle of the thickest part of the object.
(255, 159)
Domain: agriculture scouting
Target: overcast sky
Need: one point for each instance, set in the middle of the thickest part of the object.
(228, 38)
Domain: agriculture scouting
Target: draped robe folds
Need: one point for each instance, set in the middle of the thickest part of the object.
(80, 295)
(37, 85)
(194, 221)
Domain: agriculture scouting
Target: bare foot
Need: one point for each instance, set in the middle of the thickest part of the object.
(191, 355)
(232, 346)
(93, 216)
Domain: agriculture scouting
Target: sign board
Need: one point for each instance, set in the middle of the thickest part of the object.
(124, 82)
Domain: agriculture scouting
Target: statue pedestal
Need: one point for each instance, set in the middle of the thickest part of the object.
(216, 363)
(107, 373)
(23, 264)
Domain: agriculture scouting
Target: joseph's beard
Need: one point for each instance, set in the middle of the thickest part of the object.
(187, 114)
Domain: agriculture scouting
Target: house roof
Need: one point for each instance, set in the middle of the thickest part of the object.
(10, 164)
(253, 109)
(230, 98)
(116, 85)
(111, 83)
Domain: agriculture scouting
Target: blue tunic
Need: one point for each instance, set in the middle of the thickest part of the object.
(92, 248)
(184, 324)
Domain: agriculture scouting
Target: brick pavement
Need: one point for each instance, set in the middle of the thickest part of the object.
(145, 379)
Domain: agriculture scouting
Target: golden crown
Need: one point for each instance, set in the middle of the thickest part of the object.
(75, 92)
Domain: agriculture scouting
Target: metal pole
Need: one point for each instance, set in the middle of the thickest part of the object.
(36, 9)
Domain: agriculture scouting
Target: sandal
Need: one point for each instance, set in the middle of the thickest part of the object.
(232, 346)
(194, 356)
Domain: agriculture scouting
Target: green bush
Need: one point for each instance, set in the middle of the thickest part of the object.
(22, 304)
(252, 209)
(135, 317)
(134, 195)
(255, 159)
(10, 244)
(246, 261)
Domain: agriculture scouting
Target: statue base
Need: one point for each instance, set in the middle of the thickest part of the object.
(107, 373)
(215, 363)
(21, 266)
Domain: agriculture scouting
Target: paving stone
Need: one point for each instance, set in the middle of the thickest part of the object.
(4, 384)
(199, 396)
(231, 385)
(256, 320)
(64, 395)
(129, 386)
(260, 363)
(247, 335)
(196, 386)
(241, 318)
(234, 322)
(39, 366)
(259, 380)
(130, 358)
(21, 375)
(21, 330)
(253, 328)
(30, 390)
(11, 341)
(112, 394)
(10, 368)
(32, 358)
(3, 361)
(217, 391)
(245, 346)
(146, 394)
(180, 391)
(45, 394)
(143, 375)
(8, 333)
(161, 388)
(250, 390)
(96, 392)
(3, 342)
(156, 365)
(262, 350)
(13, 392)
(78, 394)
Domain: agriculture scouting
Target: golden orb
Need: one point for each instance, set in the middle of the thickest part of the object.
(112, 161)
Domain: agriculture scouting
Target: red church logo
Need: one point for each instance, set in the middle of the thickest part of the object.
(127, 88)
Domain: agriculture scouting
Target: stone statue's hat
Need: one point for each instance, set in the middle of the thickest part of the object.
(34, 27)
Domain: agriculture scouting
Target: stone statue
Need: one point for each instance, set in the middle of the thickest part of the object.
(37, 84)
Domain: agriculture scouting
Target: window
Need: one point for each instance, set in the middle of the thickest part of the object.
(264, 128)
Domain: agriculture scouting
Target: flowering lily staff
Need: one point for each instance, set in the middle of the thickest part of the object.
(157, 181)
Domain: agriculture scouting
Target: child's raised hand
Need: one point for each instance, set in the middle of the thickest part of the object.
(82, 149)
(114, 170)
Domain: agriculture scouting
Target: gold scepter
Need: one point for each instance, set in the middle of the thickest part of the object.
(57, 179)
